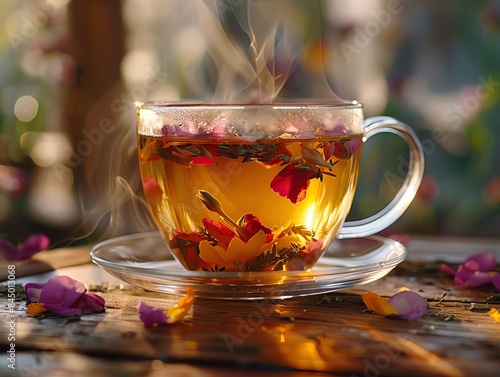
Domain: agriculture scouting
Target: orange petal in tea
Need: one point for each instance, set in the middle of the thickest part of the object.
(239, 251)
(214, 254)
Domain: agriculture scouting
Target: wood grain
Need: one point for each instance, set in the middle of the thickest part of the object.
(332, 333)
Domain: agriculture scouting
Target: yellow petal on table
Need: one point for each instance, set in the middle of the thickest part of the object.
(179, 311)
(494, 313)
(214, 254)
(35, 308)
(378, 304)
(239, 251)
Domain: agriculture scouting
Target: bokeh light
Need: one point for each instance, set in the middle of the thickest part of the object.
(26, 108)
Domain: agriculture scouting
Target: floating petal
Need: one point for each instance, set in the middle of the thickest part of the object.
(292, 183)
(153, 191)
(214, 254)
(219, 231)
(239, 251)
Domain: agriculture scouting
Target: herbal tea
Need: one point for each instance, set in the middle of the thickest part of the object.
(254, 206)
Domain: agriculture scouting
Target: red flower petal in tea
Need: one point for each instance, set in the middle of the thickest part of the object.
(219, 231)
(34, 244)
(252, 225)
(292, 183)
(188, 243)
(335, 149)
(342, 150)
(313, 248)
(153, 191)
(192, 237)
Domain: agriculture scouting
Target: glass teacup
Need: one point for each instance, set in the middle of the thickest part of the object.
(260, 187)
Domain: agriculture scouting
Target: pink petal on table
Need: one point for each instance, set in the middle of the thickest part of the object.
(463, 275)
(33, 245)
(151, 316)
(63, 311)
(481, 262)
(478, 278)
(89, 303)
(33, 291)
(36, 243)
(447, 269)
(409, 304)
(61, 291)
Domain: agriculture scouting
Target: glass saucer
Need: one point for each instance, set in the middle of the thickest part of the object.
(144, 260)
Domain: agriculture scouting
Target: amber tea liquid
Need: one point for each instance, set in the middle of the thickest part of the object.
(252, 206)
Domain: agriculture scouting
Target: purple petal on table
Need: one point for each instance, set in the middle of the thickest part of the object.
(408, 304)
(151, 316)
(495, 279)
(63, 311)
(33, 291)
(33, 245)
(36, 243)
(481, 262)
(447, 269)
(478, 278)
(89, 303)
(61, 291)
(463, 275)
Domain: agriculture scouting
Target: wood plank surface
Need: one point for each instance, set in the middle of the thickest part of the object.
(331, 333)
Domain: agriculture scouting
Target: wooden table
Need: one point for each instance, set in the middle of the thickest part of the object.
(330, 334)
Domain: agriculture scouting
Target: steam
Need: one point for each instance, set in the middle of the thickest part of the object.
(256, 46)
(252, 51)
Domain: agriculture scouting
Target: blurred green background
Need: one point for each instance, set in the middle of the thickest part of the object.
(72, 69)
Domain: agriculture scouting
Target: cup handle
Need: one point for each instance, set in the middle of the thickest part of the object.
(402, 200)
